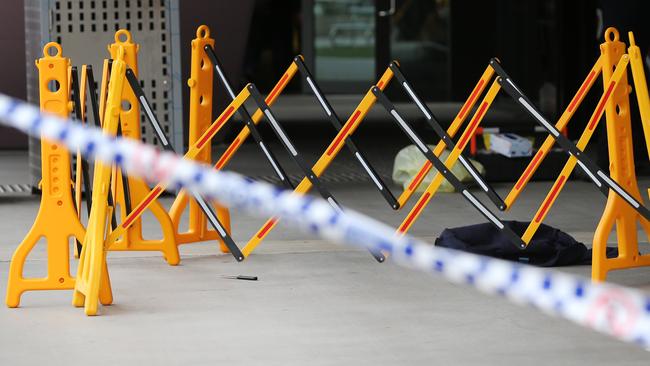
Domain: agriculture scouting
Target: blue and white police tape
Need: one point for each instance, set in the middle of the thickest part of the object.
(620, 312)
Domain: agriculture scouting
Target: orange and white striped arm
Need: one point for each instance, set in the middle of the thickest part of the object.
(327, 157)
(621, 69)
(548, 143)
(194, 150)
(451, 131)
(257, 116)
(451, 159)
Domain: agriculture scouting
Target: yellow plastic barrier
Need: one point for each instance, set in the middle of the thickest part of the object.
(201, 84)
(92, 274)
(57, 220)
(539, 156)
(624, 205)
(129, 120)
(621, 164)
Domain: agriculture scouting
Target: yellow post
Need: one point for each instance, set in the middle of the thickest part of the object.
(57, 220)
(200, 83)
(129, 119)
(621, 167)
(92, 274)
(637, 64)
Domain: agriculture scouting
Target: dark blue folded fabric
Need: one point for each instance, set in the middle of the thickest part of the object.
(550, 247)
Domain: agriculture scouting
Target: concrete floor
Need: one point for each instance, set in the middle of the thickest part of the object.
(315, 303)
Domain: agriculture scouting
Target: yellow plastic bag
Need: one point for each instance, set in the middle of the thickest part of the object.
(410, 159)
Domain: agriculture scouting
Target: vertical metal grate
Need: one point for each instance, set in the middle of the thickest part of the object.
(84, 28)
(36, 34)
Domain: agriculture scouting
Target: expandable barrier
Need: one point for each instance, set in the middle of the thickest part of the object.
(120, 97)
(237, 104)
(502, 80)
(327, 108)
(251, 128)
(357, 117)
(601, 180)
(298, 65)
(617, 311)
(445, 170)
(326, 158)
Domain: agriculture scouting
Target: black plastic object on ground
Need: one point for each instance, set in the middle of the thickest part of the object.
(550, 247)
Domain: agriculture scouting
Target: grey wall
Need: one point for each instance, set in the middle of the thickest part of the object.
(229, 23)
(12, 64)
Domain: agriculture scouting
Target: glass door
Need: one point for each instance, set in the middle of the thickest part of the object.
(417, 36)
(339, 43)
(349, 43)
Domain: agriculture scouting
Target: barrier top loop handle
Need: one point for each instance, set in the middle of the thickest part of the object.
(50, 48)
(611, 35)
(123, 36)
(203, 31)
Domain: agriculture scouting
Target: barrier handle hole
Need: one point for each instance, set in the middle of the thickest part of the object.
(611, 34)
(125, 105)
(53, 86)
(123, 36)
(203, 32)
(52, 49)
(204, 64)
